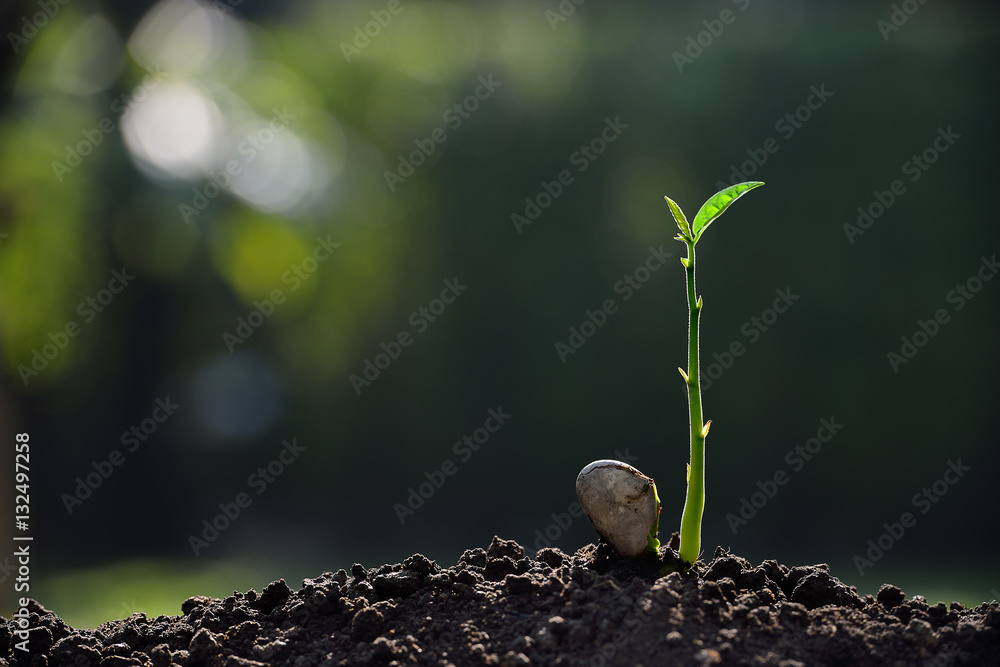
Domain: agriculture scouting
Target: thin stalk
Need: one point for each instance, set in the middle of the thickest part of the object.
(694, 506)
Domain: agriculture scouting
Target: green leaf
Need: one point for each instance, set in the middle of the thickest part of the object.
(718, 203)
(682, 222)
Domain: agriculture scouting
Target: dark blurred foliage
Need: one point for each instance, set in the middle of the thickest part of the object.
(313, 114)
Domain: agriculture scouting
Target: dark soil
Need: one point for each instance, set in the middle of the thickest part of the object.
(496, 607)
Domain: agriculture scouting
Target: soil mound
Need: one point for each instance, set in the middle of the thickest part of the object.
(498, 607)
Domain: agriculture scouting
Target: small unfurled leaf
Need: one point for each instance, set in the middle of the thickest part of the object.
(718, 203)
(682, 222)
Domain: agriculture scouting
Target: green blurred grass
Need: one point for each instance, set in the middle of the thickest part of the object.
(85, 598)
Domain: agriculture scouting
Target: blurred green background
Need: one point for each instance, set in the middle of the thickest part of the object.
(281, 188)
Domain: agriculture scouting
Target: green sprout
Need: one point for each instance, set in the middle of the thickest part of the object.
(694, 506)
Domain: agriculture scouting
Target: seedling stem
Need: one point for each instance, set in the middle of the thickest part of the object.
(694, 505)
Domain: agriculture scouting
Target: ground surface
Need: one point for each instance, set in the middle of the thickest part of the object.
(496, 607)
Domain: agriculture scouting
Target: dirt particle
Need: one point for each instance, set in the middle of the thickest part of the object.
(499, 567)
(397, 584)
(727, 587)
(512, 659)
(382, 648)
(557, 626)
(919, 632)
(193, 603)
(75, 650)
(519, 584)
(793, 614)
(474, 557)
(367, 624)
(420, 564)
(120, 649)
(362, 589)
(554, 558)
(890, 596)
(499, 548)
(274, 594)
(159, 655)
(299, 614)
(707, 656)
(820, 588)
(120, 661)
(797, 573)
(727, 566)
(753, 579)
(204, 645)
(468, 577)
